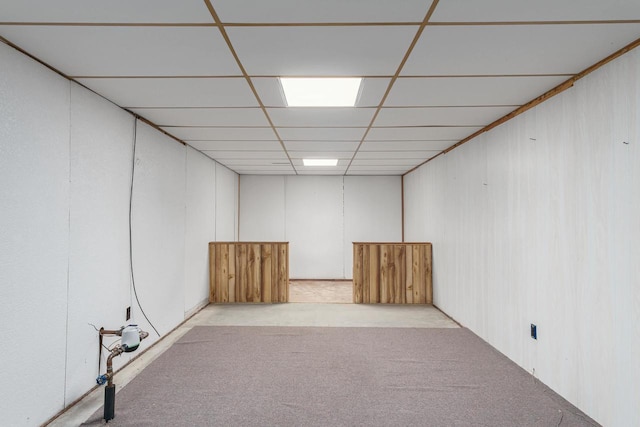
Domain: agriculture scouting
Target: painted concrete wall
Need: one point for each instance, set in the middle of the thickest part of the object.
(537, 221)
(320, 217)
(65, 168)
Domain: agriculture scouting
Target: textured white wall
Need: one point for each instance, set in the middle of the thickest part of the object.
(159, 229)
(262, 208)
(34, 238)
(314, 226)
(372, 213)
(321, 216)
(65, 166)
(200, 227)
(101, 148)
(226, 204)
(537, 222)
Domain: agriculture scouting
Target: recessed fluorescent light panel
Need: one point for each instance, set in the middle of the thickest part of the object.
(320, 162)
(321, 92)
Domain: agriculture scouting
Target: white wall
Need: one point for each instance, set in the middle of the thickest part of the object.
(226, 204)
(34, 238)
(200, 227)
(321, 216)
(537, 222)
(65, 168)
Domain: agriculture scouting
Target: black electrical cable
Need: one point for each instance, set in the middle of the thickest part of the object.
(133, 170)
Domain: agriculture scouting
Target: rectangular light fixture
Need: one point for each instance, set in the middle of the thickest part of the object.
(320, 91)
(320, 162)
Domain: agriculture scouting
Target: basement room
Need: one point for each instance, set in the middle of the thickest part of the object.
(320, 213)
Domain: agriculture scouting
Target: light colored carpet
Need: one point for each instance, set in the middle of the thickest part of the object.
(292, 376)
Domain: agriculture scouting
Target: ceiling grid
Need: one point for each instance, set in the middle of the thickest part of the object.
(206, 72)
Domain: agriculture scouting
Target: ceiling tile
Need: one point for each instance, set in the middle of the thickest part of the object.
(246, 155)
(374, 172)
(321, 134)
(236, 145)
(515, 49)
(364, 155)
(540, 10)
(127, 51)
(320, 171)
(318, 51)
(311, 11)
(461, 91)
(386, 162)
(406, 145)
(227, 117)
(321, 154)
(174, 92)
(270, 91)
(281, 162)
(348, 146)
(321, 116)
(221, 134)
(420, 133)
(437, 116)
(112, 11)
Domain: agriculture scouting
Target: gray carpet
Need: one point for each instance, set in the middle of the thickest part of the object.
(293, 376)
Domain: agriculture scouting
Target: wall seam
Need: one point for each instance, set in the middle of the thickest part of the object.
(344, 276)
(66, 335)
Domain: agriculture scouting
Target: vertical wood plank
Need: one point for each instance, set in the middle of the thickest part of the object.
(399, 273)
(417, 277)
(266, 272)
(423, 279)
(274, 272)
(241, 290)
(428, 249)
(408, 274)
(223, 288)
(217, 273)
(357, 274)
(384, 274)
(231, 288)
(212, 272)
(283, 273)
(366, 271)
(374, 274)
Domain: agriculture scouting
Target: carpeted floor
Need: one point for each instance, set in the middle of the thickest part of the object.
(293, 376)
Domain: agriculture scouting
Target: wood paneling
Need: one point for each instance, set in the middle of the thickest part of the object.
(248, 272)
(392, 273)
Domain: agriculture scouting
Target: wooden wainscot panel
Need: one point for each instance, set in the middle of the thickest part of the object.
(248, 272)
(392, 273)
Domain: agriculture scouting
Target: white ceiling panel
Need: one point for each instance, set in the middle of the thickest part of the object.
(349, 146)
(374, 172)
(316, 171)
(364, 155)
(321, 116)
(520, 49)
(270, 91)
(221, 134)
(321, 154)
(406, 145)
(461, 91)
(227, 117)
(387, 162)
(313, 11)
(112, 11)
(175, 92)
(540, 10)
(390, 168)
(441, 116)
(282, 162)
(257, 155)
(321, 134)
(236, 145)
(127, 51)
(330, 51)
(420, 133)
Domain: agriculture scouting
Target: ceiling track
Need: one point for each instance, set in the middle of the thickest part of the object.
(224, 34)
(394, 78)
(534, 102)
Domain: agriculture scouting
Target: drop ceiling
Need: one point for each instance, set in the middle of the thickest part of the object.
(206, 71)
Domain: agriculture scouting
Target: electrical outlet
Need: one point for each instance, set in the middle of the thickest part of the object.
(534, 331)
(128, 313)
